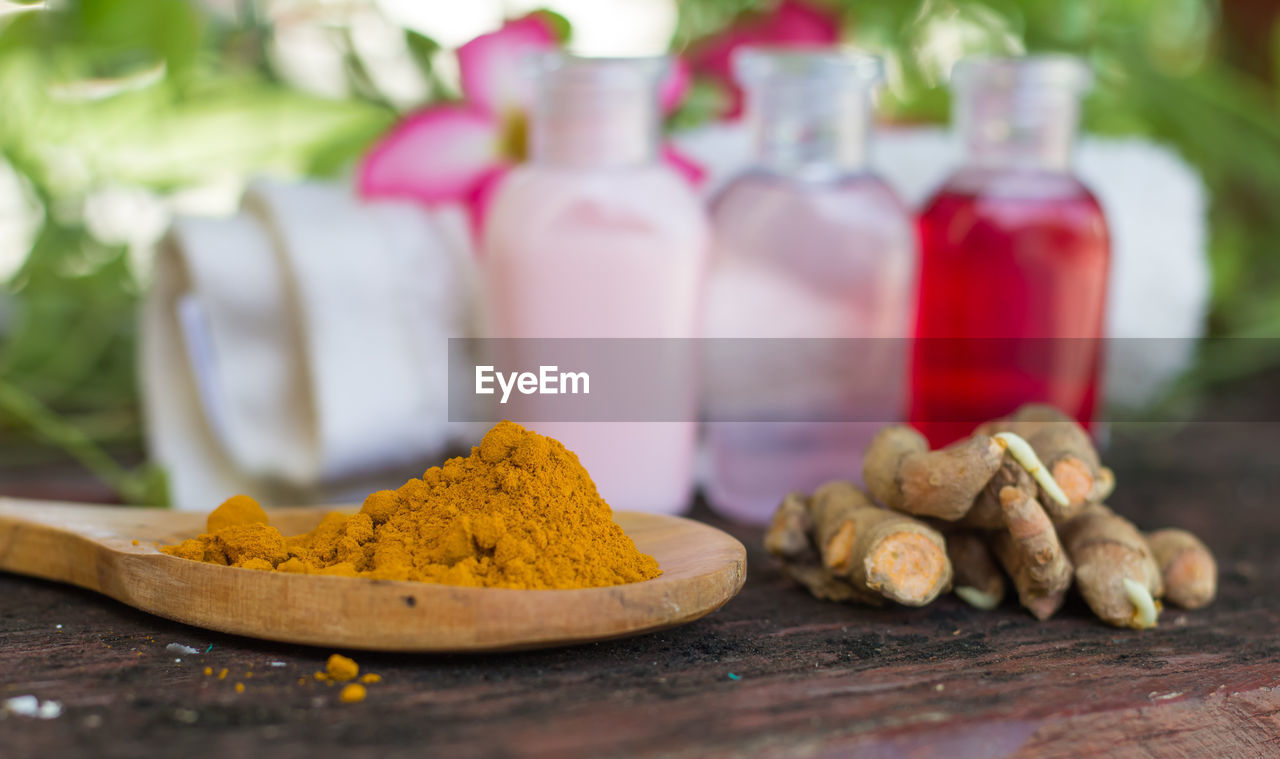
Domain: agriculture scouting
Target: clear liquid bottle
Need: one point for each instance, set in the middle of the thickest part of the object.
(1015, 255)
(810, 249)
(595, 238)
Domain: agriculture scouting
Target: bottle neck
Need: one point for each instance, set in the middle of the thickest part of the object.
(1019, 113)
(1000, 132)
(810, 131)
(809, 111)
(596, 113)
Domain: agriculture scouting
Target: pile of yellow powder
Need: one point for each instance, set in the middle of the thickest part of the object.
(519, 512)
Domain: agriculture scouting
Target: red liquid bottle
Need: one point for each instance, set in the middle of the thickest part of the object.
(1015, 256)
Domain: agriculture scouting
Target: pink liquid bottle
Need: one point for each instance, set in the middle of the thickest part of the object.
(1015, 256)
(594, 238)
(814, 252)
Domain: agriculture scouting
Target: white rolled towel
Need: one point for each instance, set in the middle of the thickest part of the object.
(297, 350)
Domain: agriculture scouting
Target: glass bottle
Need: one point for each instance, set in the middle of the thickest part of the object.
(595, 238)
(1015, 255)
(811, 249)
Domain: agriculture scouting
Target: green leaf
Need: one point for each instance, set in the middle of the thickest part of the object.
(422, 48)
(112, 36)
(561, 27)
(164, 137)
(705, 101)
(144, 486)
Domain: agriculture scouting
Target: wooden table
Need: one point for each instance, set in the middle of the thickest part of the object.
(773, 673)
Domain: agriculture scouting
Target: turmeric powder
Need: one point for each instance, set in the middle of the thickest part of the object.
(353, 693)
(519, 512)
(236, 510)
(341, 669)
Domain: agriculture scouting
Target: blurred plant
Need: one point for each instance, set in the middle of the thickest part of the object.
(153, 95)
(792, 23)
(459, 151)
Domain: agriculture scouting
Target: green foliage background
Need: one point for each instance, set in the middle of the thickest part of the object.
(164, 95)
(216, 108)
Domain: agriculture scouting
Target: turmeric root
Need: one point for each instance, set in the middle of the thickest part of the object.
(987, 512)
(903, 474)
(977, 581)
(1115, 570)
(1067, 452)
(1025, 421)
(876, 550)
(825, 586)
(790, 538)
(1104, 486)
(1023, 494)
(1189, 572)
(1028, 547)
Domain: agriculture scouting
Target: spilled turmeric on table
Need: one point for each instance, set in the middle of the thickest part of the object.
(353, 693)
(519, 512)
(339, 669)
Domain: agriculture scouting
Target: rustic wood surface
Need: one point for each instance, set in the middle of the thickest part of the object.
(772, 673)
(114, 550)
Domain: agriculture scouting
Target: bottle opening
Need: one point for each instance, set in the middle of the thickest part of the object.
(596, 111)
(1019, 112)
(809, 108)
(797, 67)
(1050, 72)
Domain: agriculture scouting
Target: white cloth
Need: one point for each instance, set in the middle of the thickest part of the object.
(298, 349)
(1156, 210)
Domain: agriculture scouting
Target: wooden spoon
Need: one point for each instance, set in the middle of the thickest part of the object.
(94, 547)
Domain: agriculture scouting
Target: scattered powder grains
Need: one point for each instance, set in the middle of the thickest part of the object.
(339, 669)
(519, 512)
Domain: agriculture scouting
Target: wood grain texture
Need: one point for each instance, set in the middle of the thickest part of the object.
(815, 679)
(113, 550)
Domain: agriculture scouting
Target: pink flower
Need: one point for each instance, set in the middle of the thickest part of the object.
(443, 152)
(793, 23)
(460, 151)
